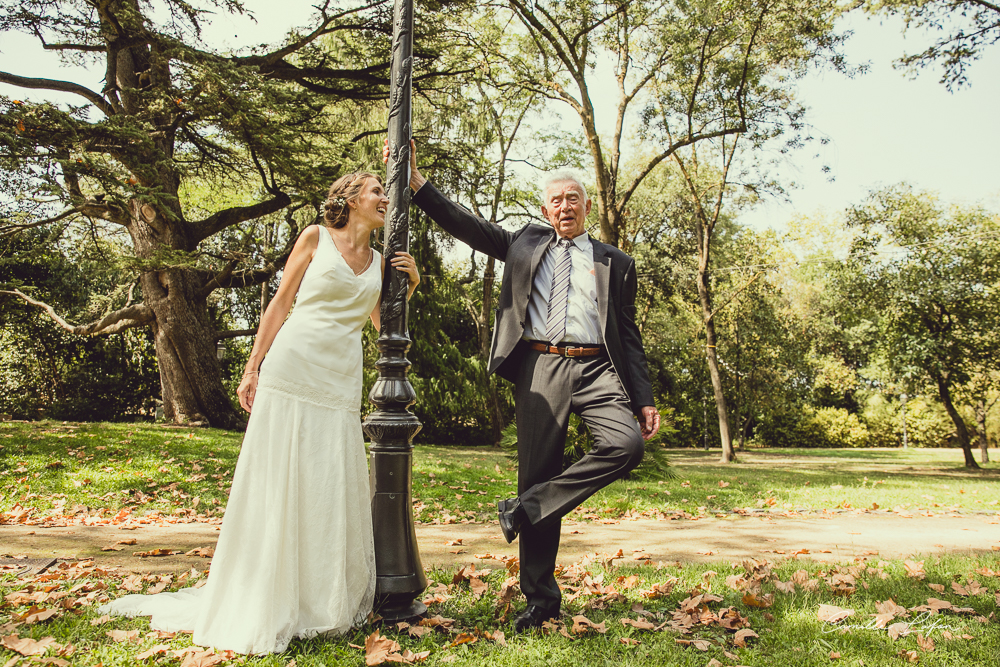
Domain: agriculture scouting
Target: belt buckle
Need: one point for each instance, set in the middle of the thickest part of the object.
(566, 352)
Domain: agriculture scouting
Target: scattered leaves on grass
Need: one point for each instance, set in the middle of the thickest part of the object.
(28, 646)
(741, 637)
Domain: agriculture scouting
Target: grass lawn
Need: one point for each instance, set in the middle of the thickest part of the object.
(675, 616)
(63, 469)
(98, 470)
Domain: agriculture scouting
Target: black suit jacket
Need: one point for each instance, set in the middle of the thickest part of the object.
(521, 252)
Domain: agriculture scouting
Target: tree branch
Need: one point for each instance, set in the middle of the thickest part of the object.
(90, 209)
(120, 320)
(64, 86)
(231, 216)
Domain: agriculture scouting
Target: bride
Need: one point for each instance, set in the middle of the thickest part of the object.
(295, 557)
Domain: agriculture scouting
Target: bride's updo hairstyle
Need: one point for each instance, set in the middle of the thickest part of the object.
(344, 189)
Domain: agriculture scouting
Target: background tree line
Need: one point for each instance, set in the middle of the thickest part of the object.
(144, 228)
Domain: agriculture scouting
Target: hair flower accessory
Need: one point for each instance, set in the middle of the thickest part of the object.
(338, 201)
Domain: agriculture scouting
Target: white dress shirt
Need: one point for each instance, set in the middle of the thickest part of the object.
(582, 320)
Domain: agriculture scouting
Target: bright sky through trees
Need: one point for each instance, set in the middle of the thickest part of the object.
(883, 127)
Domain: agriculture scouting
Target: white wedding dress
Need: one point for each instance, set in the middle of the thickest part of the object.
(295, 557)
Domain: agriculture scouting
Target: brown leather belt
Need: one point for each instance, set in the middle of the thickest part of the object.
(567, 351)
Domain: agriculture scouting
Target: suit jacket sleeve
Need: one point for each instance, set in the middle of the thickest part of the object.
(475, 232)
(635, 355)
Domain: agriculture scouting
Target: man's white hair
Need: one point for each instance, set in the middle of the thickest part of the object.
(564, 176)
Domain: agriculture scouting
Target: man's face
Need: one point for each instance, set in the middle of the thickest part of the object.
(566, 207)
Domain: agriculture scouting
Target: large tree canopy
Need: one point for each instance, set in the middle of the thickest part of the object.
(183, 151)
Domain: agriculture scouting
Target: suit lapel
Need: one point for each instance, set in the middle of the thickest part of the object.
(602, 273)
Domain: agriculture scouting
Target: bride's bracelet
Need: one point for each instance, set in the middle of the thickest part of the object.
(246, 373)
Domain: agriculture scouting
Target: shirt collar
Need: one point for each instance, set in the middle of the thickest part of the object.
(582, 241)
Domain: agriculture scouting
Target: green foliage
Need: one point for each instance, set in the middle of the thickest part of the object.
(962, 29)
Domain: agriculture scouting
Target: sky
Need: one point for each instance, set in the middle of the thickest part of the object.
(883, 127)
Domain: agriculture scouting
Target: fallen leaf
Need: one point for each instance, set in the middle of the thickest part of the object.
(911, 656)
(937, 588)
(914, 569)
(159, 649)
(741, 637)
(204, 552)
(628, 641)
(638, 624)
(700, 644)
(27, 646)
(101, 620)
(123, 635)
(453, 543)
(463, 638)
(834, 655)
(897, 630)
(761, 602)
(582, 624)
(926, 644)
(478, 586)
(378, 648)
(207, 658)
(832, 614)
(155, 553)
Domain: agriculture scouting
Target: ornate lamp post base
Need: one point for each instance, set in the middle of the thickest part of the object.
(399, 575)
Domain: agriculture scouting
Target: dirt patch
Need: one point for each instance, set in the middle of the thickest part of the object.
(835, 538)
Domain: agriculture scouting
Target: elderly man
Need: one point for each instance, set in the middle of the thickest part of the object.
(565, 335)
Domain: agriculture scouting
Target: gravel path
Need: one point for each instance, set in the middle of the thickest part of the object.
(834, 538)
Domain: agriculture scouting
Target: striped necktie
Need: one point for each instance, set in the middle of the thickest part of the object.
(555, 325)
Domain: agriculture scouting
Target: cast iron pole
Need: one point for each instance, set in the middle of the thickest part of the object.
(391, 427)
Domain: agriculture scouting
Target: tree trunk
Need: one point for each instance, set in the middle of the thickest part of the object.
(190, 376)
(984, 445)
(183, 334)
(944, 391)
(728, 455)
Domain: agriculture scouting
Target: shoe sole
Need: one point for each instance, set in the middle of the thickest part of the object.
(501, 509)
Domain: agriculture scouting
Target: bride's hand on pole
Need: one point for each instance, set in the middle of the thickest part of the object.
(247, 389)
(403, 261)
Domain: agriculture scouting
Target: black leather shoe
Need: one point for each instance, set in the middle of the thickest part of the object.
(511, 515)
(533, 617)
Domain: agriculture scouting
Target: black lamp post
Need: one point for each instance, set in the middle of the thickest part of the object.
(391, 427)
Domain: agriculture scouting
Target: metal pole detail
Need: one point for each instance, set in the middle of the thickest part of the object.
(391, 427)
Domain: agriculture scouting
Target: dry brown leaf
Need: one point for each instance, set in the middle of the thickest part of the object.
(785, 587)
(159, 649)
(101, 620)
(582, 624)
(832, 614)
(419, 631)
(155, 553)
(700, 644)
(761, 601)
(123, 635)
(204, 552)
(638, 624)
(453, 543)
(834, 655)
(478, 586)
(499, 638)
(713, 663)
(911, 656)
(926, 644)
(207, 658)
(914, 569)
(378, 648)
(27, 646)
(628, 641)
(937, 588)
(897, 630)
(741, 637)
(463, 638)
